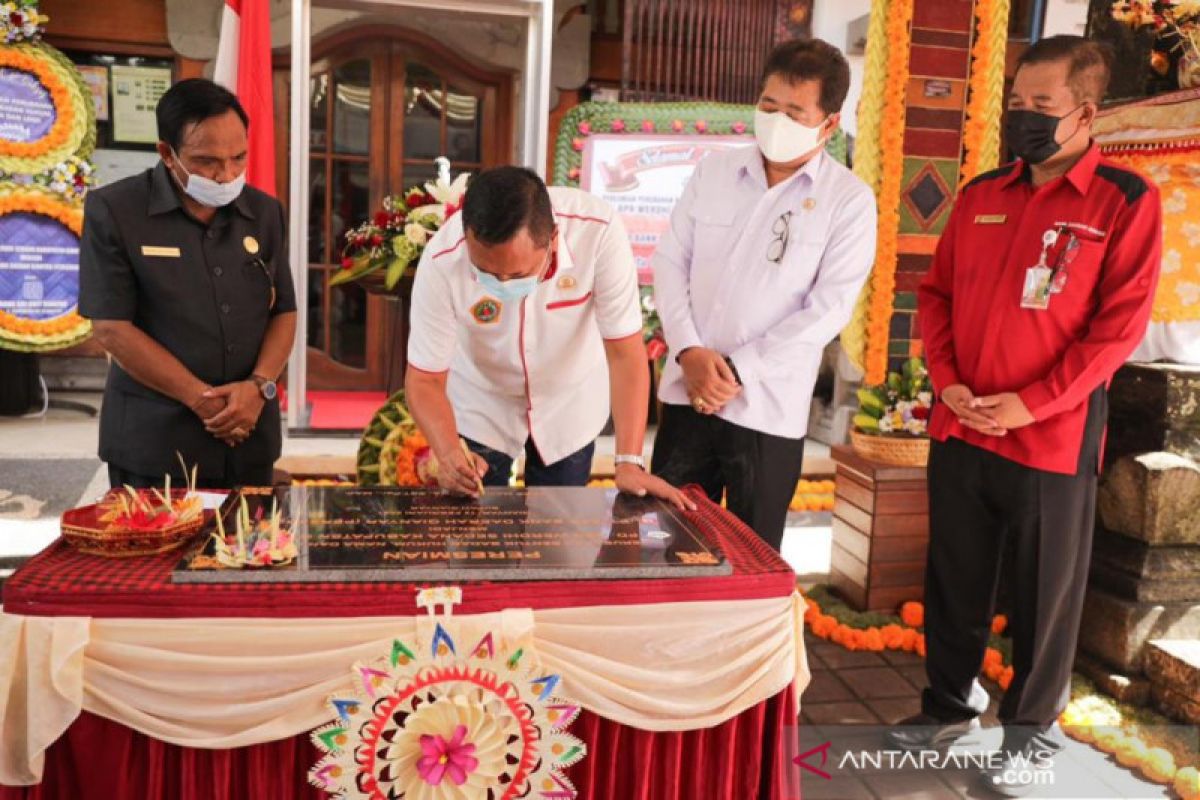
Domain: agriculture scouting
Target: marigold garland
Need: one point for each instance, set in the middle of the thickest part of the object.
(891, 148)
(28, 334)
(72, 132)
(981, 129)
(867, 158)
(1088, 718)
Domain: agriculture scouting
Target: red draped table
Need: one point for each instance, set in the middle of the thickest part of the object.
(742, 757)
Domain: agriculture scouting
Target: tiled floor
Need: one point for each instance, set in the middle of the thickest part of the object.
(853, 696)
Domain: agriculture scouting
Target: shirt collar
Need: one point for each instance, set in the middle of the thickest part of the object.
(1079, 175)
(752, 165)
(164, 197)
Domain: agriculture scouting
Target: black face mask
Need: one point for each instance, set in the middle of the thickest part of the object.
(1030, 134)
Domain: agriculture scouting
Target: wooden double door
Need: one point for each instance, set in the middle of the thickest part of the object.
(385, 102)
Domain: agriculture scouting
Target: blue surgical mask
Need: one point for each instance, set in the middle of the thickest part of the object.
(208, 192)
(510, 291)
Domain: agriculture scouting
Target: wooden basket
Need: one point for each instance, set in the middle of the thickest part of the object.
(82, 528)
(900, 451)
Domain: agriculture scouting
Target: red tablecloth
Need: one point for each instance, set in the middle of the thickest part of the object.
(741, 759)
(64, 582)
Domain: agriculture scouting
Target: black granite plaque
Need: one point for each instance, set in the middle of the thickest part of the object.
(395, 534)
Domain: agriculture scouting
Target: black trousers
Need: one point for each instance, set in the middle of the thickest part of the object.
(982, 509)
(247, 475)
(756, 471)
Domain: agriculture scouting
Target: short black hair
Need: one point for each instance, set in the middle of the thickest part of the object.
(503, 200)
(191, 101)
(1089, 63)
(812, 60)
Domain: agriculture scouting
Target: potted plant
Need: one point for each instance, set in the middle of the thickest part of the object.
(892, 422)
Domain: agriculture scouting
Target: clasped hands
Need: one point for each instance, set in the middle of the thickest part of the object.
(993, 415)
(230, 411)
(709, 380)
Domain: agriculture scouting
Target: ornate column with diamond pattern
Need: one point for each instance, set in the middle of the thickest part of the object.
(937, 94)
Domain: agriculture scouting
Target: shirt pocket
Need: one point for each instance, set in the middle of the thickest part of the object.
(713, 231)
(1083, 273)
(565, 303)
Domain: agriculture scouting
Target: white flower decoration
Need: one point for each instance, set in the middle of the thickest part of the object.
(1191, 232)
(1188, 293)
(1172, 262)
(1177, 203)
(417, 234)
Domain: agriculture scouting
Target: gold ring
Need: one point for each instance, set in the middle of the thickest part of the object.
(698, 403)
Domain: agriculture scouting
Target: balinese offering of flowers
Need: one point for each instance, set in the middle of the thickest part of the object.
(394, 238)
(392, 451)
(258, 539)
(902, 405)
(133, 522)
(893, 418)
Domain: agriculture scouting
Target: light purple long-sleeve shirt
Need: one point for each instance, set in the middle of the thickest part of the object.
(715, 285)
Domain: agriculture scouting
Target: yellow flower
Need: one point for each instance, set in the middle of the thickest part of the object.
(1187, 783)
(1159, 765)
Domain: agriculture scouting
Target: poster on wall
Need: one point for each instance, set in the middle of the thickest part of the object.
(96, 77)
(135, 93)
(642, 176)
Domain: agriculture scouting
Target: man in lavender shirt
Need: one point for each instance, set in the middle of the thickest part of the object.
(760, 269)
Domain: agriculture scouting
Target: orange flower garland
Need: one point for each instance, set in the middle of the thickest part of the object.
(898, 637)
(27, 331)
(66, 134)
(891, 148)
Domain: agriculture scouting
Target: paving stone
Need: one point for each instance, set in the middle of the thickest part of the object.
(901, 658)
(846, 712)
(875, 682)
(815, 787)
(915, 675)
(840, 658)
(908, 786)
(892, 710)
(826, 688)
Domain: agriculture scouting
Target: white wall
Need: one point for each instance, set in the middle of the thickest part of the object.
(830, 18)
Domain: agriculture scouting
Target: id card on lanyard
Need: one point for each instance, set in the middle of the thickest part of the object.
(1049, 276)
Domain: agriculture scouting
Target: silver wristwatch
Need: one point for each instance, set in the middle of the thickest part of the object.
(637, 461)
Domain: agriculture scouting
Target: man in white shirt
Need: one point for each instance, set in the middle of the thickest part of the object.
(760, 269)
(525, 325)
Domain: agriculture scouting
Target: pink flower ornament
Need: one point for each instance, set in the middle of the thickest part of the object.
(443, 759)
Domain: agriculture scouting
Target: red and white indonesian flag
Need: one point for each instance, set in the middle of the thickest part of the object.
(244, 67)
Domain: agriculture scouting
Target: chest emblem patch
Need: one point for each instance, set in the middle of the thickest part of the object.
(486, 311)
(251, 245)
(566, 282)
(991, 219)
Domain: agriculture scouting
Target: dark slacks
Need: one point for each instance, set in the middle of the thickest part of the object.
(756, 471)
(983, 508)
(574, 470)
(235, 475)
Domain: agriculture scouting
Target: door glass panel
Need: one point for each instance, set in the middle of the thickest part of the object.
(462, 127)
(316, 308)
(319, 97)
(316, 211)
(423, 101)
(418, 173)
(351, 202)
(348, 322)
(352, 108)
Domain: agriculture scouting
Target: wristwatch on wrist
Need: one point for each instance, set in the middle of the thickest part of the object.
(266, 387)
(637, 461)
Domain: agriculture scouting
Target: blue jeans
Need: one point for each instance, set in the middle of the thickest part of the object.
(574, 470)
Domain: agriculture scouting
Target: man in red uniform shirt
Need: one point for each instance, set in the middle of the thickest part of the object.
(1041, 287)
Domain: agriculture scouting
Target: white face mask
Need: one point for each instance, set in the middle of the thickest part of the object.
(783, 140)
(208, 192)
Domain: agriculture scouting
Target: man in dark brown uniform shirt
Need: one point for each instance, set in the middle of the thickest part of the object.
(184, 273)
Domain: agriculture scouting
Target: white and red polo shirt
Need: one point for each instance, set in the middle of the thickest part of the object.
(534, 369)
